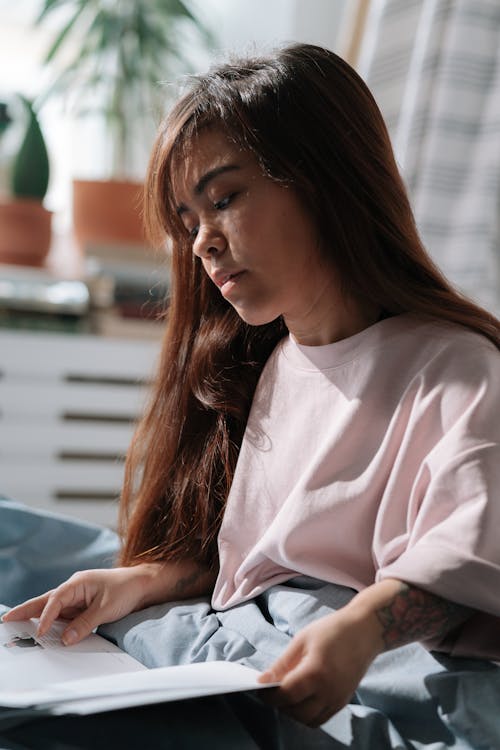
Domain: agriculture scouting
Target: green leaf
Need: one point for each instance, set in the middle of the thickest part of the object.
(48, 7)
(110, 55)
(30, 174)
(61, 37)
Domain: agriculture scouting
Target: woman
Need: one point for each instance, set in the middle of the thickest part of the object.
(325, 399)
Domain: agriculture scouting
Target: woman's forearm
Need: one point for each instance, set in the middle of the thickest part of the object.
(398, 613)
(173, 580)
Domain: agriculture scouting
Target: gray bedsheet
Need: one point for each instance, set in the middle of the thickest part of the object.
(410, 699)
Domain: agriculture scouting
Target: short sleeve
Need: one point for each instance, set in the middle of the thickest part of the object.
(450, 541)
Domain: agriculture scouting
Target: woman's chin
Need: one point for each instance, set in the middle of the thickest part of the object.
(255, 317)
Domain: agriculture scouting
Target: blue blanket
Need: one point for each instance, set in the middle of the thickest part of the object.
(410, 699)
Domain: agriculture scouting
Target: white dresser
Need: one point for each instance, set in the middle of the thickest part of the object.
(68, 403)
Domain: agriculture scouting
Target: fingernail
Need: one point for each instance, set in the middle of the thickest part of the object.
(267, 677)
(69, 637)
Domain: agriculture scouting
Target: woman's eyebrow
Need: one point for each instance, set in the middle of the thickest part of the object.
(211, 174)
(206, 179)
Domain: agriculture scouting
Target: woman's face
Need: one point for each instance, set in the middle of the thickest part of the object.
(255, 239)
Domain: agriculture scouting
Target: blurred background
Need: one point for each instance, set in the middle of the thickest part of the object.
(83, 85)
(79, 139)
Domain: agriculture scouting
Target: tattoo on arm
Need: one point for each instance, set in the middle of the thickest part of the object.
(196, 583)
(415, 615)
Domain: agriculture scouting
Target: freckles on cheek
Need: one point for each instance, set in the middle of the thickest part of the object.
(240, 224)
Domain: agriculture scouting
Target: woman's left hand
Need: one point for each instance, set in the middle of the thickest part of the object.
(323, 665)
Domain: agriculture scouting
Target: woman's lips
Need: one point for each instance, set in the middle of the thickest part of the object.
(221, 277)
(229, 281)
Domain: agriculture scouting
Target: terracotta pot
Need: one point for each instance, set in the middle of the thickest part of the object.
(107, 212)
(25, 232)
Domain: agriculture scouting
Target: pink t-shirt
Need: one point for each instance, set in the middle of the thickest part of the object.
(373, 457)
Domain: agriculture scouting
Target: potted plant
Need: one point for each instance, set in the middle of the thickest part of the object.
(110, 59)
(25, 224)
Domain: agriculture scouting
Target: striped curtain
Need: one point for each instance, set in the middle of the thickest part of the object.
(434, 68)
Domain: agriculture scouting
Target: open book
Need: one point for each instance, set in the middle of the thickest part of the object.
(41, 676)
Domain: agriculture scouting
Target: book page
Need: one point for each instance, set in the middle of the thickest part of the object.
(160, 685)
(138, 688)
(95, 675)
(28, 662)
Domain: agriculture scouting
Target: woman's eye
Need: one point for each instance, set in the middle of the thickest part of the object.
(193, 233)
(224, 202)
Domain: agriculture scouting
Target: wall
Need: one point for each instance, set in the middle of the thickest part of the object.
(240, 25)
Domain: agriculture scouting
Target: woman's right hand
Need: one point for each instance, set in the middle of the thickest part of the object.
(88, 599)
(92, 597)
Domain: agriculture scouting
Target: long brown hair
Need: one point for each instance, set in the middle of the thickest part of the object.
(312, 123)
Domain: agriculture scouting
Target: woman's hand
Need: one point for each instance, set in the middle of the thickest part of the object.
(323, 665)
(87, 599)
(92, 597)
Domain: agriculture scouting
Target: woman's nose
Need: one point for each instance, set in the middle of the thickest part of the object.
(208, 242)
